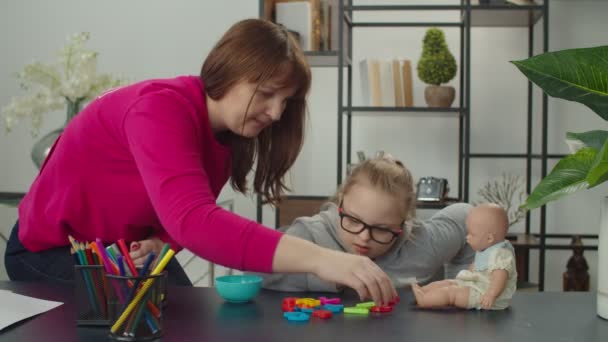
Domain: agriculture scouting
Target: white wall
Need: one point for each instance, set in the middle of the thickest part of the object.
(142, 39)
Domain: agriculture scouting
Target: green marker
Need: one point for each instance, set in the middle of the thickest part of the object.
(356, 310)
(366, 305)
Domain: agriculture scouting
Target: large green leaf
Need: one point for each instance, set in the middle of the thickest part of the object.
(568, 176)
(595, 139)
(579, 75)
(599, 170)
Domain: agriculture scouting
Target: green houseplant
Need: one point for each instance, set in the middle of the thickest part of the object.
(437, 66)
(579, 75)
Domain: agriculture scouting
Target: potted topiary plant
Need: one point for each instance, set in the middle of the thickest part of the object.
(437, 66)
(579, 75)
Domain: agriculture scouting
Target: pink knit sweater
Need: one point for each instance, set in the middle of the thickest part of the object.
(142, 161)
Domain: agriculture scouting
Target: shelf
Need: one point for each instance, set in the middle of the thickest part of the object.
(436, 205)
(523, 240)
(497, 155)
(325, 58)
(481, 15)
(512, 155)
(408, 24)
(531, 241)
(505, 15)
(11, 199)
(404, 111)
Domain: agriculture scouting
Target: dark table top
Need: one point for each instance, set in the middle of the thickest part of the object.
(199, 314)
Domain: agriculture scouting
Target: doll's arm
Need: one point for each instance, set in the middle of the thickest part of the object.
(498, 281)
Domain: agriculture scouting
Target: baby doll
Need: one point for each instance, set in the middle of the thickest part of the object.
(491, 280)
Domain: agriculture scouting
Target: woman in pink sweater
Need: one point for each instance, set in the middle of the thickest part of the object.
(146, 163)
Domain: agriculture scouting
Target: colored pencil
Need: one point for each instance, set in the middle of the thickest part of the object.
(147, 284)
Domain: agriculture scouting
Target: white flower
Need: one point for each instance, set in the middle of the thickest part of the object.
(73, 78)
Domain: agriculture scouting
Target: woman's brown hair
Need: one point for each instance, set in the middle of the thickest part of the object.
(256, 50)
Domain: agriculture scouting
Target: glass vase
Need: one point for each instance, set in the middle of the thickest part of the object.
(42, 147)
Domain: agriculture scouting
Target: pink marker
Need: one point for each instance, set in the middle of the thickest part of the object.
(325, 300)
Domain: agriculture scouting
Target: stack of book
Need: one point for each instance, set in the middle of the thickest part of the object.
(386, 83)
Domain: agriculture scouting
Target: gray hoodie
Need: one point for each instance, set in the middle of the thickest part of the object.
(421, 253)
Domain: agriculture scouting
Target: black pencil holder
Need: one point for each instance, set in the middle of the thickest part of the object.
(90, 295)
(135, 306)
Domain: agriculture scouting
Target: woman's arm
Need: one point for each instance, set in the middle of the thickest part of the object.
(358, 272)
(303, 228)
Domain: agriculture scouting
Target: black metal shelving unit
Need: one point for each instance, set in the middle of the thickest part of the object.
(483, 15)
(470, 16)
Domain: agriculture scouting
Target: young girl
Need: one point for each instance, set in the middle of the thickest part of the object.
(491, 280)
(147, 162)
(373, 216)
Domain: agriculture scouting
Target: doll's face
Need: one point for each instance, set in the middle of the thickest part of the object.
(478, 236)
(486, 225)
(375, 214)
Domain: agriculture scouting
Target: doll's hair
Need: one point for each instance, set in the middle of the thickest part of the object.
(388, 175)
(256, 50)
(493, 217)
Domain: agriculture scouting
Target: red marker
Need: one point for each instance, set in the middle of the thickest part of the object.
(323, 314)
(385, 308)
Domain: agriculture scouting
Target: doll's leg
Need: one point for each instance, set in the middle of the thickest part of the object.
(452, 295)
(437, 284)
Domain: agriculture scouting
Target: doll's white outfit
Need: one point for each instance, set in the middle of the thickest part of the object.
(500, 256)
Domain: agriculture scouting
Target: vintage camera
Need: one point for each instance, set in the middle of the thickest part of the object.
(431, 189)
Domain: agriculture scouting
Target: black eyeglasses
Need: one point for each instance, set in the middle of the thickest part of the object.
(379, 234)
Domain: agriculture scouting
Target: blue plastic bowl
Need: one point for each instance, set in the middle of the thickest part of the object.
(238, 288)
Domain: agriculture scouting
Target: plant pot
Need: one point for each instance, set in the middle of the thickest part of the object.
(439, 96)
(602, 263)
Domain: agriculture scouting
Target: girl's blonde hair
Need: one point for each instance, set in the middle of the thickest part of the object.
(388, 175)
(256, 50)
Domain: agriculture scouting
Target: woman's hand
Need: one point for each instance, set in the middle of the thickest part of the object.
(139, 250)
(360, 273)
(296, 255)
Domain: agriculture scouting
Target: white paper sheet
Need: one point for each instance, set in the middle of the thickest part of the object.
(15, 307)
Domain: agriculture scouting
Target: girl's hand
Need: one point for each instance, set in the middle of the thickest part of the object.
(487, 301)
(359, 273)
(139, 250)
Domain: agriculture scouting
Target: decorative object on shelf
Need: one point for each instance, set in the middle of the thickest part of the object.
(508, 192)
(432, 189)
(579, 75)
(437, 66)
(301, 16)
(576, 277)
(70, 82)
